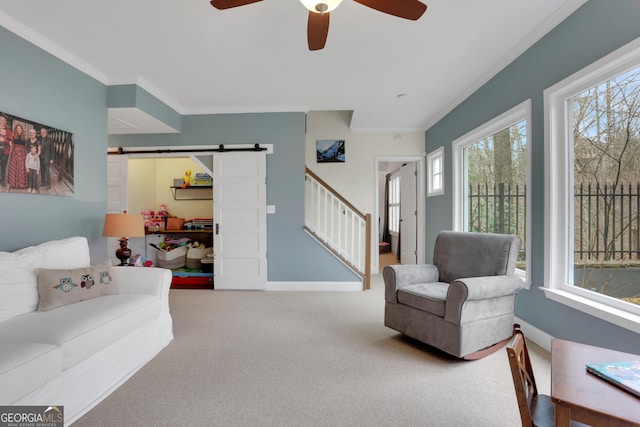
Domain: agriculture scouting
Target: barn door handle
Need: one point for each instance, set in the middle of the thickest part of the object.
(217, 229)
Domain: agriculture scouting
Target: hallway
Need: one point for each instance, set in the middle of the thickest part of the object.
(387, 259)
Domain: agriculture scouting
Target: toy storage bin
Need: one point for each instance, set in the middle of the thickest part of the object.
(175, 258)
(194, 257)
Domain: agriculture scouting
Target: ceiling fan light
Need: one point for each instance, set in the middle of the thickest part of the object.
(320, 6)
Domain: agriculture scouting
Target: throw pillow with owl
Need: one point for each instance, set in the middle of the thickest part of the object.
(60, 287)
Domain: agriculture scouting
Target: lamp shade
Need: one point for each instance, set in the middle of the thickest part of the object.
(123, 225)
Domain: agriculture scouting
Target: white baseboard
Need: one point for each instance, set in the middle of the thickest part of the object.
(534, 334)
(314, 286)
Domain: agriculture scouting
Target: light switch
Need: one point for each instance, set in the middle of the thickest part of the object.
(271, 209)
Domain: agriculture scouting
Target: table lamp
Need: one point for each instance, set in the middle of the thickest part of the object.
(123, 226)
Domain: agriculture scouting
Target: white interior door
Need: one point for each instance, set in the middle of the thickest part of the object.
(117, 173)
(408, 214)
(239, 212)
(117, 194)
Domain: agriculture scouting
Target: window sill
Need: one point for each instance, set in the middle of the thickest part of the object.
(610, 314)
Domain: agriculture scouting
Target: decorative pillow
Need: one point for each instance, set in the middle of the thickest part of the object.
(68, 286)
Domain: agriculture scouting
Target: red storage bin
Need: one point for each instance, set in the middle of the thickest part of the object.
(184, 280)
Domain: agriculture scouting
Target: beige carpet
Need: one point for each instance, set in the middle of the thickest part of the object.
(307, 359)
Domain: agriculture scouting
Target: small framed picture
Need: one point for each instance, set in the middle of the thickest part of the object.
(330, 151)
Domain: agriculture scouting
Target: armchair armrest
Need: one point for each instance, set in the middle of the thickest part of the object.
(398, 276)
(478, 288)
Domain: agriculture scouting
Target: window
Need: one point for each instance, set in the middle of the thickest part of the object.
(435, 173)
(490, 179)
(394, 204)
(592, 161)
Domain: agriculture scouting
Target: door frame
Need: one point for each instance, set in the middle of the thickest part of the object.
(148, 152)
(420, 204)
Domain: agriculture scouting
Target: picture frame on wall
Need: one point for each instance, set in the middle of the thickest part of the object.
(330, 151)
(35, 158)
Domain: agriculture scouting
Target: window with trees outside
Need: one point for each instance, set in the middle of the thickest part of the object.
(394, 204)
(435, 172)
(490, 179)
(592, 153)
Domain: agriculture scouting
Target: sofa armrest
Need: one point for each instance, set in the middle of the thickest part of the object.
(398, 276)
(478, 288)
(143, 280)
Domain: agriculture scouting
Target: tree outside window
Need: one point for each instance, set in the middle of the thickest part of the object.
(496, 179)
(490, 179)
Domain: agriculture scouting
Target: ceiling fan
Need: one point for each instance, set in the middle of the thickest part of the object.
(319, 10)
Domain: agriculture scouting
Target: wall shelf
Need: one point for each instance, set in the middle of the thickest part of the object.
(195, 192)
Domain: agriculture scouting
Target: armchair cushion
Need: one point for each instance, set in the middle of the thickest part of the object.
(428, 297)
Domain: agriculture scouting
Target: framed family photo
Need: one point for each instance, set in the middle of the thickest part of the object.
(35, 158)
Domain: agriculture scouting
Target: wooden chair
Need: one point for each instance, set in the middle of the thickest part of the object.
(536, 410)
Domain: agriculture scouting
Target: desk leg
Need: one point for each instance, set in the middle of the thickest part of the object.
(563, 416)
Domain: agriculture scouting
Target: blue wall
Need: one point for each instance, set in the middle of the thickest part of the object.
(39, 87)
(593, 31)
(133, 96)
(291, 254)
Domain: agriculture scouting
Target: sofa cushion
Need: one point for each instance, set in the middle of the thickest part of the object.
(18, 286)
(82, 329)
(429, 297)
(58, 287)
(24, 366)
(18, 281)
(72, 252)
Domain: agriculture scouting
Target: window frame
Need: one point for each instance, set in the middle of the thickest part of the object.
(514, 115)
(558, 234)
(393, 191)
(437, 154)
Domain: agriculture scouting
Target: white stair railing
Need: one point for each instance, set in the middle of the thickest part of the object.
(338, 225)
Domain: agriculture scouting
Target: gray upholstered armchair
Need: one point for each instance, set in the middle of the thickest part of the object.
(462, 303)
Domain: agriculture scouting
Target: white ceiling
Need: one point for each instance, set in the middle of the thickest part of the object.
(254, 58)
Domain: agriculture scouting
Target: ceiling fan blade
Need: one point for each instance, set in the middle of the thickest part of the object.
(317, 30)
(408, 9)
(227, 4)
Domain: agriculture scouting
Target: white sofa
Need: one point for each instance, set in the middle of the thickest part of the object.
(77, 354)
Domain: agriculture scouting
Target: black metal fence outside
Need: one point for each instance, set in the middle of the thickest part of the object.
(607, 224)
(606, 217)
(498, 208)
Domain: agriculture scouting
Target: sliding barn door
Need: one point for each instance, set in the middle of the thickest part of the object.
(117, 173)
(117, 191)
(239, 213)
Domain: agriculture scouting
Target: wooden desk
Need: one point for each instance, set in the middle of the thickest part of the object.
(583, 397)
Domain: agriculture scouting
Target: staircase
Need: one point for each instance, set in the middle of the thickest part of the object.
(338, 226)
